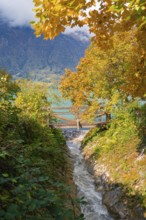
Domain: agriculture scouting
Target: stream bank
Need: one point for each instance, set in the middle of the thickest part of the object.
(114, 196)
(119, 203)
(109, 195)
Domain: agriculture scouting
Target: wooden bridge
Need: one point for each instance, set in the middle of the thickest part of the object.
(64, 121)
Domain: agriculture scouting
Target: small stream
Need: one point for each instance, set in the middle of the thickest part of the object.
(93, 209)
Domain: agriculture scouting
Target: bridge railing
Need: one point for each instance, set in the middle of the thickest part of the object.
(60, 112)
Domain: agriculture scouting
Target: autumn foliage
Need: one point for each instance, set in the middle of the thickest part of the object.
(113, 74)
(115, 61)
(102, 17)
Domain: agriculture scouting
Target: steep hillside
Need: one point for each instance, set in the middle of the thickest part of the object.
(22, 54)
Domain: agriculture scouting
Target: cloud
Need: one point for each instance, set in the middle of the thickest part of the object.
(80, 33)
(19, 13)
(76, 29)
(16, 12)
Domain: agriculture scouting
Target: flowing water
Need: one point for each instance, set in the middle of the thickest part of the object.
(93, 209)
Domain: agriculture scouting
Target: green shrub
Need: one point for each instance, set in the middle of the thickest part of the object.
(33, 163)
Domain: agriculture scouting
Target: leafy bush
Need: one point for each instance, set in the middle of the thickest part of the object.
(33, 161)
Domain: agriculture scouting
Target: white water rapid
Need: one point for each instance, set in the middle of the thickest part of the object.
(93, 209)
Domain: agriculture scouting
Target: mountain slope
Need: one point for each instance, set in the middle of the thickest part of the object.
(22, 54)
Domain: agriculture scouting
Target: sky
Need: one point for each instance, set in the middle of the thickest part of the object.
(19, 13)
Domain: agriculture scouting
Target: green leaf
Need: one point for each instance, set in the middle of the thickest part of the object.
(5, 174)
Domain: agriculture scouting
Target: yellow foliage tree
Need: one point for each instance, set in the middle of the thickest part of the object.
(104, 17)
(107, 75)
(122, 68)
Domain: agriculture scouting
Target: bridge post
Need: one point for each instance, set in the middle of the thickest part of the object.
(78, 124)
(108, 117)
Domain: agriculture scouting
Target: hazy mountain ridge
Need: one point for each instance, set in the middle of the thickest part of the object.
(22, 54)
